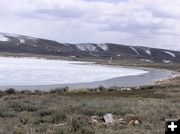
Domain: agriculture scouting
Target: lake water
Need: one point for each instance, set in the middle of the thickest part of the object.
(42, 73)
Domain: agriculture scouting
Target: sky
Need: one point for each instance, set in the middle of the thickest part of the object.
(130, 22)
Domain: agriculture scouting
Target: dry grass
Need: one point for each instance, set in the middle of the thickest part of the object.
(38, 112)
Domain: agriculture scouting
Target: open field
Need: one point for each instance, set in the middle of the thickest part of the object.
(41, 112)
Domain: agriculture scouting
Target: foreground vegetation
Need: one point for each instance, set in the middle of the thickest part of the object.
(65, 112)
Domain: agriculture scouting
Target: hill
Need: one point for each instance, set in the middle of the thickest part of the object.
(13, 43)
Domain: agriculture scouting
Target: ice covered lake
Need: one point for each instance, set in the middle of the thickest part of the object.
(41, 73)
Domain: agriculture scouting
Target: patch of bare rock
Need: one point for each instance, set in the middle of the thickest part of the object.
(109, 120)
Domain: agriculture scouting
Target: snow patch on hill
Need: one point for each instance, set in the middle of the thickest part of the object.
(167, 61)
(3, 38)
(22, 41)
(170, 53)
(135, 50)
(103, 46)
(147, 60)
(86, 47)
(148, 51)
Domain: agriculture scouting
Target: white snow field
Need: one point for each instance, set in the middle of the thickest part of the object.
(32, 71)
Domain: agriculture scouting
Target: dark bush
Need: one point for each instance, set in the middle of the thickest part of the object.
(6, 114)
(45, 113)
(10, 91)
(81, 125)
(38, 92)
(20, 107)
(28, 92)
(59, 90)
(56, 91)
(101, 88)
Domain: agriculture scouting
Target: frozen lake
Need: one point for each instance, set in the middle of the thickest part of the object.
(31, 71)
(43, 74)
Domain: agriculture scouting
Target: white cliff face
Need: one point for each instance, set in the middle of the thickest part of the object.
(31, 71)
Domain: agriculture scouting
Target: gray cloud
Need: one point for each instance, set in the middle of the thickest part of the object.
(53, 14)
(133, 22)
(110, 1)
(68, 12)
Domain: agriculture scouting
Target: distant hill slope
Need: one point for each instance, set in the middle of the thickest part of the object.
(23, 44)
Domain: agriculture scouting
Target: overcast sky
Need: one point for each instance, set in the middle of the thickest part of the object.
(154, 23)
